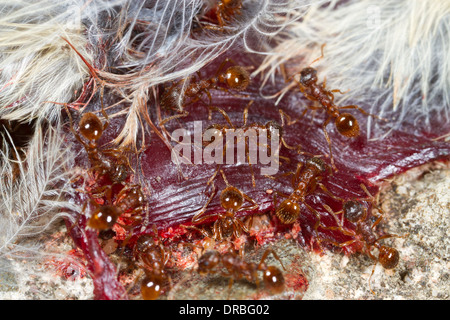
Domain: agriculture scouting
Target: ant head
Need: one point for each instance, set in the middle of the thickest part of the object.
(347, 125)
(231, 199)
(151, 287)
(208, 261)
(353, 211)
(143, 243)
(237, 78)
(288, 211)
(104, 218)
(273, 279)
(388, 257)
(171, 98)
(274, 128)
(316, 163)
(119, 173)
(308, 76)
(90, 126)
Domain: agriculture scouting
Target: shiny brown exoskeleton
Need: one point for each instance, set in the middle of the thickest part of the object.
(232, 201)
(304, 182)
(355, 212)
(236, 268)
(173, 98)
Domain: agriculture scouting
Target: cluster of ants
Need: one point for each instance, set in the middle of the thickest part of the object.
(149, 251)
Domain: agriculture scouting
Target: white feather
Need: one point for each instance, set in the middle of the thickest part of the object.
(32, 199)
(391, 54)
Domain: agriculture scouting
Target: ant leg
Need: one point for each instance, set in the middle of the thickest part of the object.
(362, 111)
(202, 231)
(281, 194)
(339, 223)
(250, 207)
(105, 125)
(317, 214)
(338, 90)
(222, 65)
(266, 254)
(224, 114)
(196, 218)
(218, 230)
(372, 200)
(324, 127)
(245, 113)
(321, 56)
(213, 176)
(321, 186)
(237, 95)
(224, 178)
(102, 192)
(296, 175)
(177, 116)
(387, 236)
(283, 116)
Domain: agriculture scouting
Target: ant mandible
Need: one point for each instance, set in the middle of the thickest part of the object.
(355, 212)
(173, 97)
(345, 123)
(303, 182)
(236, 268)
(231, 200)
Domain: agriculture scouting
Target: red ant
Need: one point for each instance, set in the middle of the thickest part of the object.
(235, 77)
(303, 182)
(345, 123)
(110, 162)
(272, 128)
(232, 200)
(236, 268)
(356, 213)
(153, 257)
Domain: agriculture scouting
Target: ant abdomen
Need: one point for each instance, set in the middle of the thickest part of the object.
(274, 279)
(236, 77)
(347, 125)
(388, 257)
(90, 126)
(151, 287)
(288, 211)
(104, 218)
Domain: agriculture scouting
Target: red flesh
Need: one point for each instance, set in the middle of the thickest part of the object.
(172, 202)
